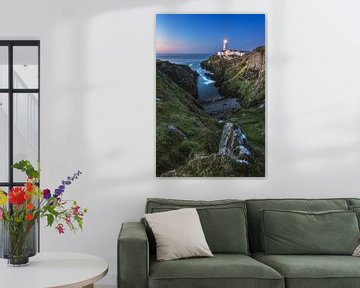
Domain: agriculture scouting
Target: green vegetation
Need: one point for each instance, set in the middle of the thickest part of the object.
(252, 123)
(177, 107)
(213, 165)
(187, 138)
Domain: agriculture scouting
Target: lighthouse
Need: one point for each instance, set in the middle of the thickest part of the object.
(227, 53)
(225, 45)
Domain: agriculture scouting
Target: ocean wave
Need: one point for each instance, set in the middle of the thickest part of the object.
(208, 72)
(191, 64)
(206, 80)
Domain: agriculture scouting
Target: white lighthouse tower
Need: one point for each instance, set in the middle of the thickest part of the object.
(227, 53)
(225, 45)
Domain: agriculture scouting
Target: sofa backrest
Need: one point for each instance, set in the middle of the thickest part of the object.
(353, 202)
(223, 221)
(256, 205)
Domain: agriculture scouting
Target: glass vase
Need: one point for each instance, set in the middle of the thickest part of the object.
(18, 242)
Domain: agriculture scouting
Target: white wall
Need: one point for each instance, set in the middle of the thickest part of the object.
(98, 108)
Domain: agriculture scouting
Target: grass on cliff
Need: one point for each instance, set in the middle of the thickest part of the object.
(245, 83)
(252, 122)
(213, 165)
(178, 108)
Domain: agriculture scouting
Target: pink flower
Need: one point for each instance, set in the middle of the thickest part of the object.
(68, 219)
(75, 210)
(1, 213)
(60, 228)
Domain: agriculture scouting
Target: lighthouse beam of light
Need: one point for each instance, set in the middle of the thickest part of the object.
(225, 41)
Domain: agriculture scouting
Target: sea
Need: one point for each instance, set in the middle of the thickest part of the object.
(207, 92)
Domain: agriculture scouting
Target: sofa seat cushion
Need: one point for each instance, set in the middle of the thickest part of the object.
(313, 271)
(222, 270)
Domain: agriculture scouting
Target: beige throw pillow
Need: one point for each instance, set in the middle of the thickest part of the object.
(357, 251)
(178, 234)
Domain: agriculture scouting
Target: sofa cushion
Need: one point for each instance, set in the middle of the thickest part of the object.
(223, 221)
(354, 205)
(297, 232)
(356, 209)
(353, 201)
(254, 207)
(178, 234)
(313, 271)
(222, 270)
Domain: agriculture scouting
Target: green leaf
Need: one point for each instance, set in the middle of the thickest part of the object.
(79, 221)
(52, 211)
(22, 164)
(28, 168)
(50, 219)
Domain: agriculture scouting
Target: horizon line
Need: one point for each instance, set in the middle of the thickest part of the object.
(202, 52)
(213, 52)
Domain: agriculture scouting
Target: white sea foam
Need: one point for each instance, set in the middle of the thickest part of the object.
(206, 80)
(191, 64)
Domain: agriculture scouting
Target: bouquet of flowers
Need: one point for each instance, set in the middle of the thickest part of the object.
(23, 206)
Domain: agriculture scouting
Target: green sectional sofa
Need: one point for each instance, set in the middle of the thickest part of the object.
(242, 247)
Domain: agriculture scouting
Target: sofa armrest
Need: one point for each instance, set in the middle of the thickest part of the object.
(133, 256)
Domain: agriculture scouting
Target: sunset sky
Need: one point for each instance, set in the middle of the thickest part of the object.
(204, 33)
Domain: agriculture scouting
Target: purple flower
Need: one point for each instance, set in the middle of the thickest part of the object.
(66, 182)
(58, 192)
(46, 194)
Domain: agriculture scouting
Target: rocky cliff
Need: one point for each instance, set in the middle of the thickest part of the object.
(183, 129)
(242, 77)
(190, 142)
(182, 75)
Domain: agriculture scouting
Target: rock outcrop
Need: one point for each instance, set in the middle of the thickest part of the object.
(233, 143)
(182, 75)
(177, 132)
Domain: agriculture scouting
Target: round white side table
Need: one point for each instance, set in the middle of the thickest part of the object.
(50, 270)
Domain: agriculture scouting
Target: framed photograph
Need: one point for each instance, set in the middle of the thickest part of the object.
(210, 95)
